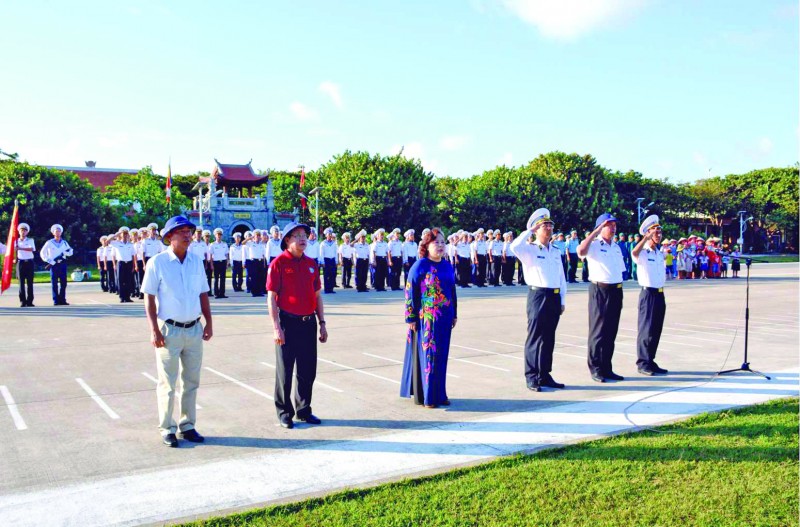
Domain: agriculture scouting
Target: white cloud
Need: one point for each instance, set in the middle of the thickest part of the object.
(765, 145)
(454, 142)
(333, 91)
(506, 160)
(302, 111)
(415, 150)
(570, 19)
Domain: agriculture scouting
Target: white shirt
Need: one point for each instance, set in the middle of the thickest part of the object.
(53, 250)
(199, 249)
(362, 250)
(507, 249)
(124, 252)
(236, 253)
(346, 251)
(378, 249)
(396, 248)
(256, 251)
(496, 247)
(312, 250)
(541, 265)
(23, 255)
(479, 247)
(605, 262)
(139, 247)
(463, 250)
(219, 251)
(274, 248)
(152, 247)
(410, 250)
(650, 270)
(177, 286)
(329, 249)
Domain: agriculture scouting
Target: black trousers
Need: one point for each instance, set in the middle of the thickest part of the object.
(362, 270)
(585, 271)
(497, 269)
(248, 266)
(347, 272)
(394, 273)
(464, 271)
(209, 272)
(257, 278)
(237, 276)
(125, 282)
(407, 268)
(25, 277)
(573, 266)
(544, 312)
(605, 307)
(520, 274)
(381, 268)
(508, 270)
(112, 278)
(138, 277)
(564, 264)
(299, 349)
(220, 269)
(652, 308)
(103, 279)
(480, 278)
(330, 274)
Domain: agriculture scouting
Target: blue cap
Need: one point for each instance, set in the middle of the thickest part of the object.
(289, 228)
(173, 223)
(604, 218)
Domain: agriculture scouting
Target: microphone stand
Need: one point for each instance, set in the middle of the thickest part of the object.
(746, 365)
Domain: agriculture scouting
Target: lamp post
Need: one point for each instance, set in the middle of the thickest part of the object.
(641, 211)
(315, 192)
(742, 227)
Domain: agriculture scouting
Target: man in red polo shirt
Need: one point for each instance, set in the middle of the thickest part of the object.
(295, 304)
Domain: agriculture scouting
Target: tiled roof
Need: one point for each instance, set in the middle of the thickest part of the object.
(236, 175)
(100, 178)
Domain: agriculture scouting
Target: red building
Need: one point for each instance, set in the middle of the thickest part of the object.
(100, 178)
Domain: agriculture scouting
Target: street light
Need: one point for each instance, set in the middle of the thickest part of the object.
(641, 211)
(742, 224)
(315, 192)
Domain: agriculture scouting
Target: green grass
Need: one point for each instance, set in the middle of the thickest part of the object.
(782, 258)
(732, 468)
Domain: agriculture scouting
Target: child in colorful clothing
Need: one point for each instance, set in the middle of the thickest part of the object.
(702, 259)
(725, 261)
(668, 258)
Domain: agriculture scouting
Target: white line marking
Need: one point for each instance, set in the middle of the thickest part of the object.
(401, 362)
(96, 302)
(240, 383)
(718, 341)
(101, 403)
(316, 381)
(479, 364)
(772, 321)
(177, 394)
(759, 326)
(359, 371)
(19, 422)
(487, 351)
(554, 353)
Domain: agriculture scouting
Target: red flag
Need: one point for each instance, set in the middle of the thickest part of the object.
(169, 181)
(8, 263)
(303, 204)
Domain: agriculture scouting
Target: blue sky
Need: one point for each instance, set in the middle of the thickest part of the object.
(668, 88)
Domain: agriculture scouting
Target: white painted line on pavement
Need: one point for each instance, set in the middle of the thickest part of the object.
(479, 364)
(681, 336)
(350, 368)
(401, 362)
(177, 393)
(772, 321)
(240, 383)
(19, 422)
(759, 326)
(616, 343)
(487, 351)
(101, 403)
(554, 353)
(96, 302)
(316, 381)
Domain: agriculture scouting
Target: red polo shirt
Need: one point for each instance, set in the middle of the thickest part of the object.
(295, 281)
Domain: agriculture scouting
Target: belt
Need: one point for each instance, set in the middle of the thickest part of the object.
(546, 289)
(654, 289)
(608, 286)
(303, 318)
(182, 324)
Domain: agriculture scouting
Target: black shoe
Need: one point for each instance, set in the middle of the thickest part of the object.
(311, 419)
(646, 371)
(614, 377)
(192, 435)
(466, 286)
(551, 383)
(23, 305)
(170, 440)
(596, 377)
(223, 296)
(533, 386)
(658, 369)
(287, 422)
(30, 304)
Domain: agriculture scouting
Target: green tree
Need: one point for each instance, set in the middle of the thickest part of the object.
(142, 198)
(47, 196)
(185, 183)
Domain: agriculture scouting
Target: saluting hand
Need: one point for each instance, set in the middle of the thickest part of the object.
(323, 333)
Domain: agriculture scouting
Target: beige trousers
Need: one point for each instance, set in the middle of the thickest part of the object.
(182, 352)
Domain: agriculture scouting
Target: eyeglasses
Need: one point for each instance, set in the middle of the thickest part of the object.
(299, 236)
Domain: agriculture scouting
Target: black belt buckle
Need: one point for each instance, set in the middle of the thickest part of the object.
(184, 325)
(302, 318)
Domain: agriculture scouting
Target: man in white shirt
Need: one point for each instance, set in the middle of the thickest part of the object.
(151, 244)
(108, 256)
(236, 255)
(219, 260)
(605, 295)
(55, 253)
(361, 252)
(410, 252)
(274, 244)
(125, 265)
(547, 296)
(25, 250)
(328, 254)
(379, 251)
(346, 256)
(394, 258)
(176, 293)
(479, 251)
(651, 275)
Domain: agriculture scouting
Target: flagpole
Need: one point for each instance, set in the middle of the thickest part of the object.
(8, 259)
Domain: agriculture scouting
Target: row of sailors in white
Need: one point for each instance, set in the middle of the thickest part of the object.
(144, 243)
(460, 246)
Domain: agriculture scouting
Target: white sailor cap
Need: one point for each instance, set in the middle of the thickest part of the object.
(152, 226)
(237, 234)
(206, 232)
(198, 228)
(408, 233)
(539, 217)
(480, 230)
(134, 231)
(490, 231)
(56, 226)
(361, 233)
(274, 228)
(648, 223)
(427, 230)
(328, 230)
(396, 230)
(346, 235)
(218, 230)
(313, 230)
(23, 226)
(381, 230)
(248, 234)
(103, 238)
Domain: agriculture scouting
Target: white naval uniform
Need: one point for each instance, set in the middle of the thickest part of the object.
(651, 275)
(541, 265)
